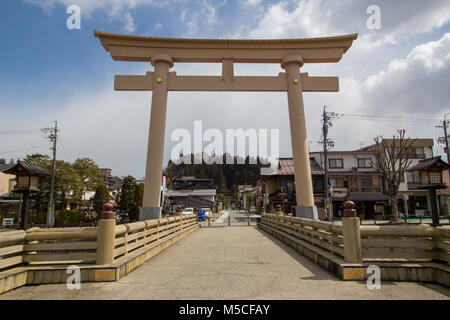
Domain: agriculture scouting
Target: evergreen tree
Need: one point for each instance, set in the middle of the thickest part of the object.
(127, 198)
(101, 197)
(89, 173)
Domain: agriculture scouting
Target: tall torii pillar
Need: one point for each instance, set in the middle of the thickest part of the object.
(155, 150)
(303, 182)
(163, 52)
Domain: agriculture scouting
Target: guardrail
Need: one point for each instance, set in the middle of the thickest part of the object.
(11, 249)
(59, 246)
(320, 233)
(405, 243)
(362, 243)
(133, 236)
(348, 249)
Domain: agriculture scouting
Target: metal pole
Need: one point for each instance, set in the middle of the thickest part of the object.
(446, 137)
(50, 213)
(434, 207)
(24, 210)
(325, 160)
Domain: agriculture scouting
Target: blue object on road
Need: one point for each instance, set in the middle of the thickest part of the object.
(201, 215)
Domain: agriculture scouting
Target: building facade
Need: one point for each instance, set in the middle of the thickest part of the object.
(191, 192)
(280, 188)
(413, 202)
(352, 175)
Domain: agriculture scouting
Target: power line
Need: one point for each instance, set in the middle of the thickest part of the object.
(25, 149)
(23, 131)
(377, 119)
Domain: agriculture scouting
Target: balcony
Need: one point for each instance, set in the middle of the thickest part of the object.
(360, 189)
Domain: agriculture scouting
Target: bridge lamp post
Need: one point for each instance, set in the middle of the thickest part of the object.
(27, 182)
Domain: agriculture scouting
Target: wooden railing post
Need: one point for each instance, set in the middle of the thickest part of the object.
(352, 234)
(279, 211)
(106, 235)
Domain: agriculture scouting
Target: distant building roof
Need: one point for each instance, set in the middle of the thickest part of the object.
(29, 167)
(4, 166)
(429, 163)
(286, 167)
(352, 173)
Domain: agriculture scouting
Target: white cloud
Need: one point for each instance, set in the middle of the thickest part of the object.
(115, 9)
(129, 26)
(309, 18)
(253, 2)
(112, 127)
(416, 83)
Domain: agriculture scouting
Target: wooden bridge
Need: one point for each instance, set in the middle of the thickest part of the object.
(283, 257)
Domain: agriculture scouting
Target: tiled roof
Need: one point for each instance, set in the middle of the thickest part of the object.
(428, 163)
(286, 167)
(30, 167)
(5, 166)
(352, 173)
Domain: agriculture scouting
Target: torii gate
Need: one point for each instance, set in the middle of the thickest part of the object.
(163, 52)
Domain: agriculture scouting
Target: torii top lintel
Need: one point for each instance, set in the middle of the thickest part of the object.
(141, 48)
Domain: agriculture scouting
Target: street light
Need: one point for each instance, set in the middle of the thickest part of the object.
(27, 182)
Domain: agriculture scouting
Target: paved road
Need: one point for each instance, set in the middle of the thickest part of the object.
(236, 218)
(237, 262)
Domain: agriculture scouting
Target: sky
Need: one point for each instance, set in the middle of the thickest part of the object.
(393, 77)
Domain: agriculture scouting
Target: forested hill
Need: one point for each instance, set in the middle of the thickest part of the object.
(226, 176)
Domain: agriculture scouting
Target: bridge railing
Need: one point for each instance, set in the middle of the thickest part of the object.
(405, 243)
(11, 248)
(358, 243)
(60, 246)
(323, 234)
(133, 236)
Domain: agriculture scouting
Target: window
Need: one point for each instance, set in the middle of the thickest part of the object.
(365, 163)
(364, 181)
(23, 181)
(336, 163)
(419, 153)
(338, 182)
(413, 177)
(33, 182)
(317, 185)
(435, 177)
(414, 152)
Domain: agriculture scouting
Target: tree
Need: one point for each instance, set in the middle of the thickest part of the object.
(101, 196)
(140, 194)
(89, 173)
(67, 183)
(393, 160)
(127, 198)
(2, 161)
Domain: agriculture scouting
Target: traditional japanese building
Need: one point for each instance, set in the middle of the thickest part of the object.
(191, 192)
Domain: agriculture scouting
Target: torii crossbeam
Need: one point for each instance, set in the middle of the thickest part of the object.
(164, 52)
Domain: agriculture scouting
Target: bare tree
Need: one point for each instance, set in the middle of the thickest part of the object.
(393, 159)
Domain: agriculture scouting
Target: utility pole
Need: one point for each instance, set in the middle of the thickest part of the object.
(327, 118)
(53, 136)
(444, 139)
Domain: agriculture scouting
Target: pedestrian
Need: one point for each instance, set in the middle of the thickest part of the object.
(325, 214)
